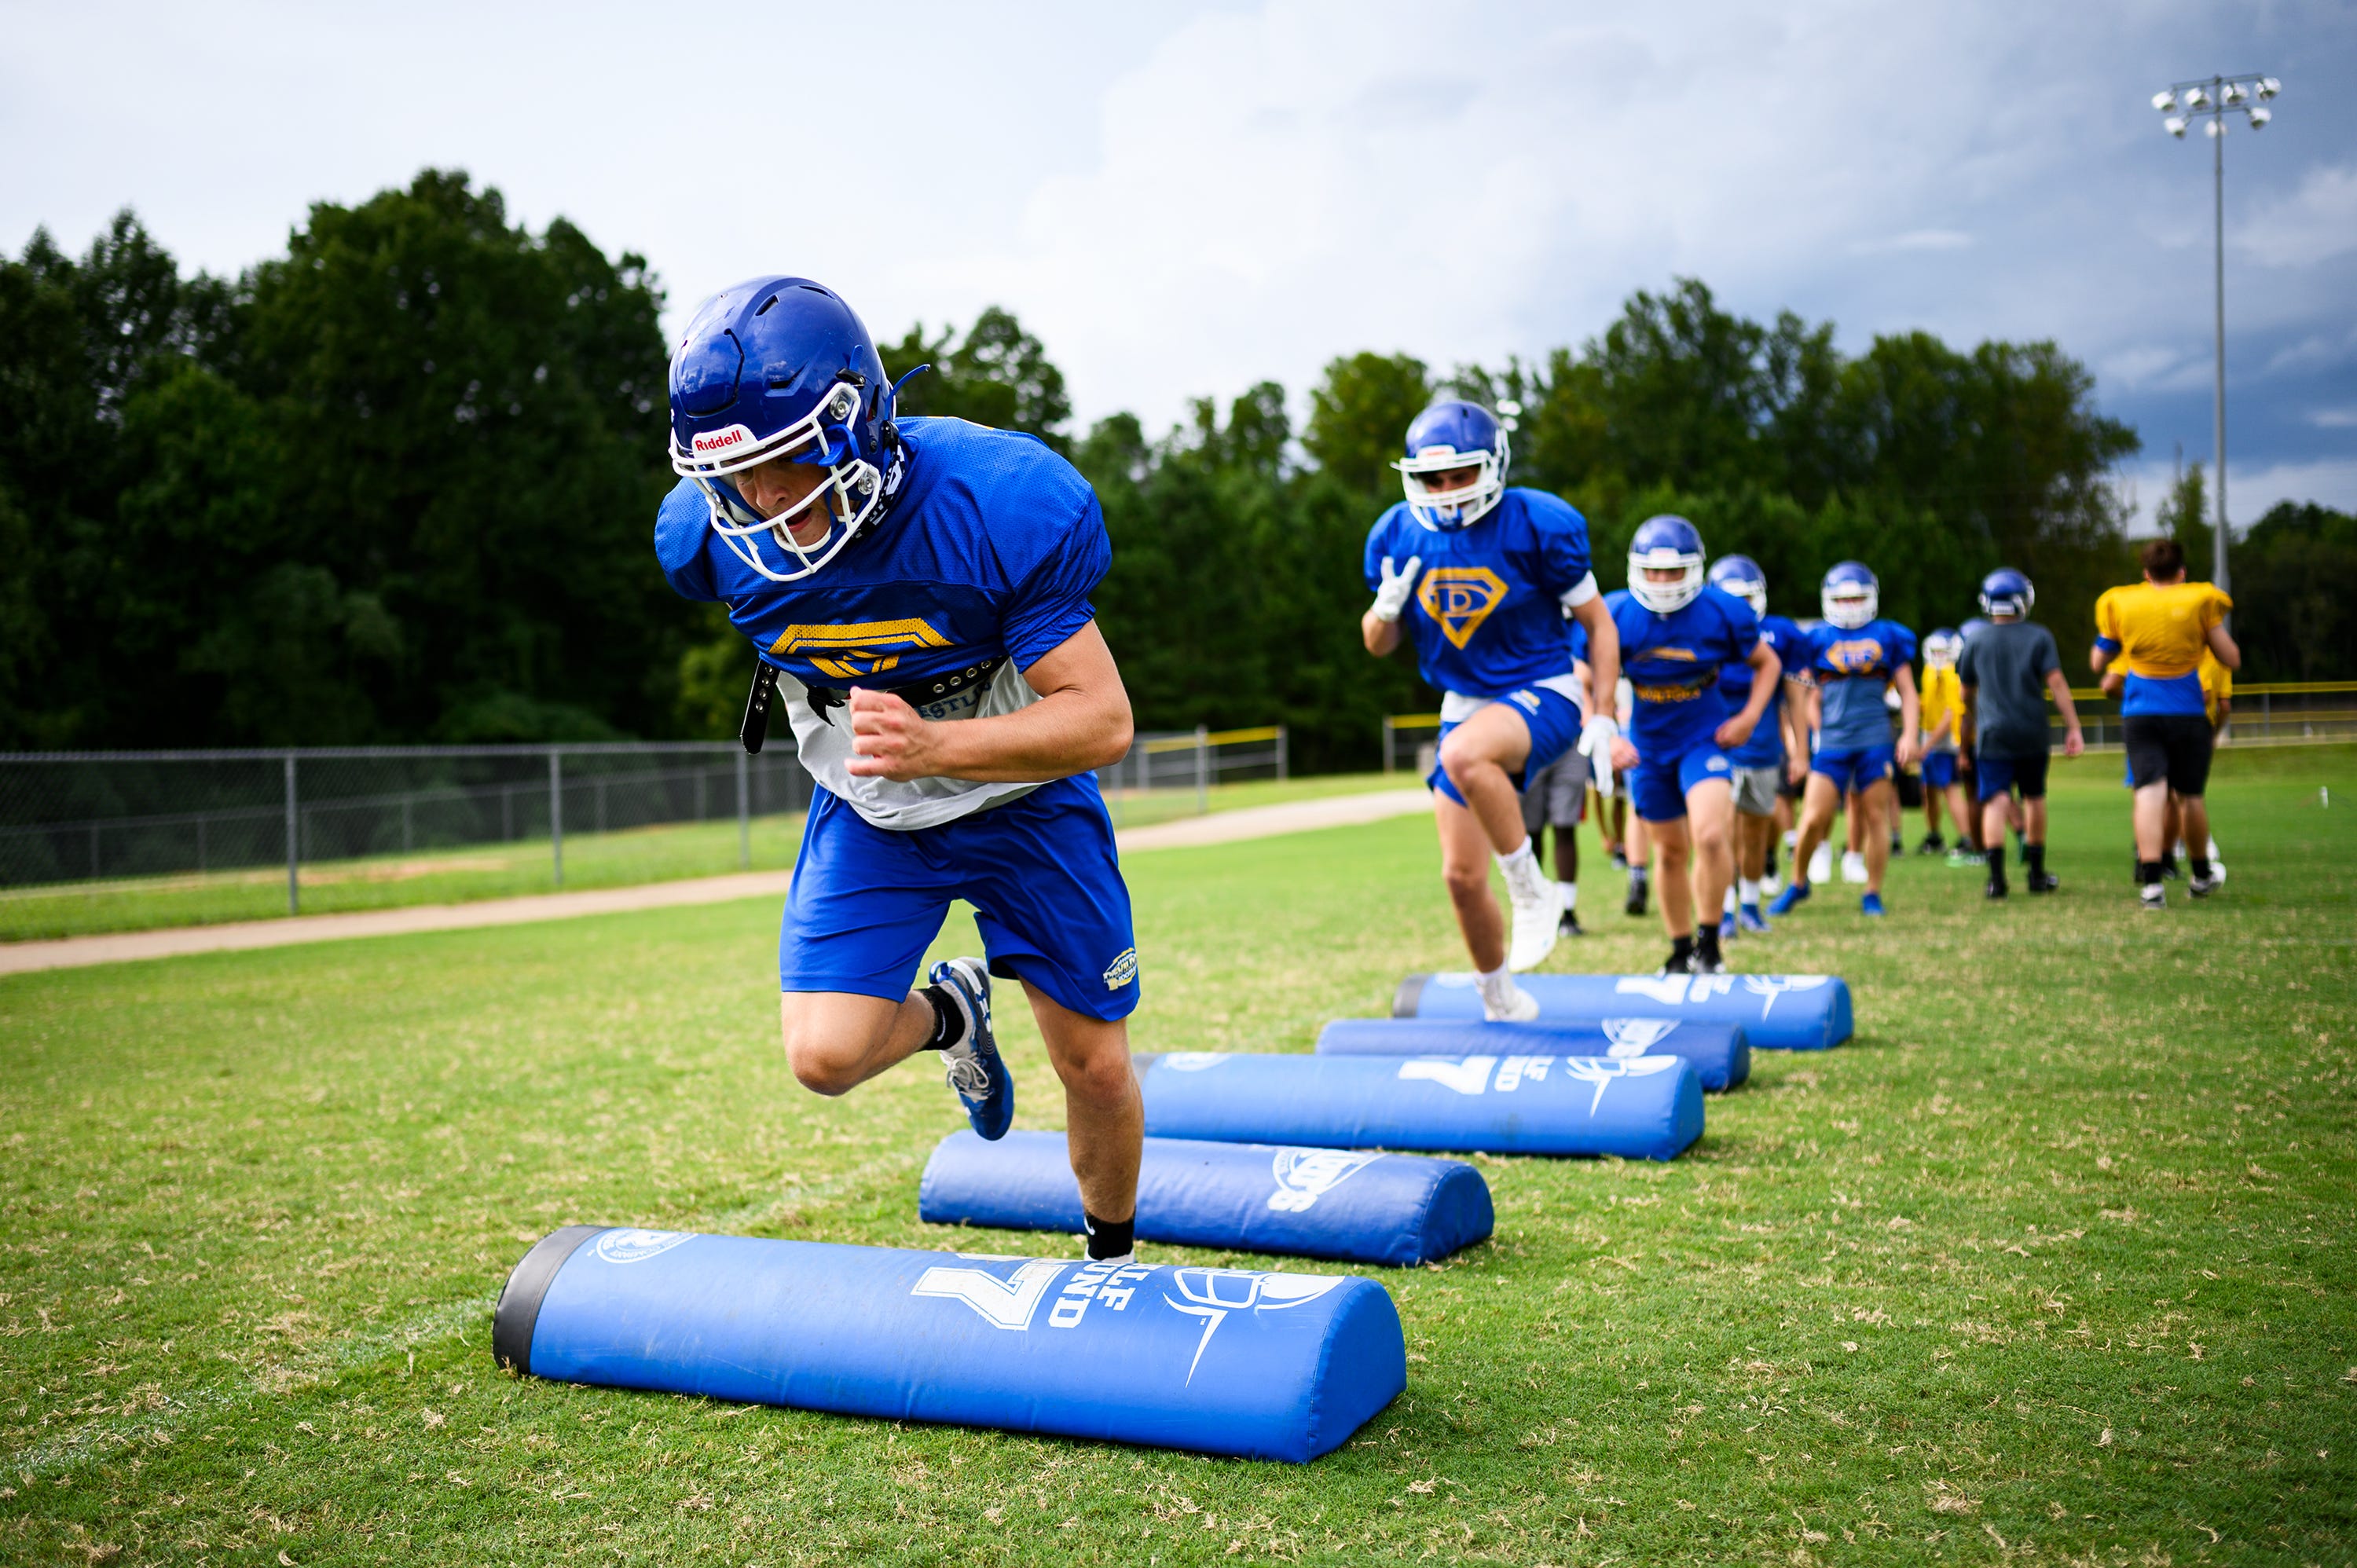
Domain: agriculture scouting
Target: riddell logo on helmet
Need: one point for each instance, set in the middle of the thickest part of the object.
(708, 442)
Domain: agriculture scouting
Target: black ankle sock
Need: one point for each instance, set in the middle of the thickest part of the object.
(2147, 873)
(2201, 867)
(1933, 841)
(1707, 942)
(1995, 858)
(949, 1019)
(1110, 1238)
(1681, 949)
(2034, 856)
(1770, 868)
(2167, 863)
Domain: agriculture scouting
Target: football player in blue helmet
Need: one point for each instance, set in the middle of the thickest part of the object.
(1774, 750)
(1679, 636)
(1851, 660)
(918, 590)
(1478, 576)
(2006, 592)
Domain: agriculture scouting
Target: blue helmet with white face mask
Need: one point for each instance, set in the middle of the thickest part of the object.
(1850, 595)
(1665, 544)
(1452, 435)
(779, 369)
(2006, 592)
(1741, 575)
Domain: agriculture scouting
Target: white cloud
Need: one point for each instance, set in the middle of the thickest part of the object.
(2316, 221)
(2334, 418)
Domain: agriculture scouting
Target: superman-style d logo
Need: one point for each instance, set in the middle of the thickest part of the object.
(1461, 598)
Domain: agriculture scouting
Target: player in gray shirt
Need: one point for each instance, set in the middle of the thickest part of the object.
(2006, 672)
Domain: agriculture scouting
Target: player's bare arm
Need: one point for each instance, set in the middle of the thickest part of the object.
(1604, 671)
(1080, 722)
(2074, 740)
(1766, 671)
(1910, 716)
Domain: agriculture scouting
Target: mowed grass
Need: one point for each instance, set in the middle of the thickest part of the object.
(466, 873)
(2051, 1262)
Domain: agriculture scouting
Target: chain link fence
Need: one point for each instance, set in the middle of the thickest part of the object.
(82, 818)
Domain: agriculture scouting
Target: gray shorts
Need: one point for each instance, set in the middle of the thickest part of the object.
(1755, 789)
(1557, 794)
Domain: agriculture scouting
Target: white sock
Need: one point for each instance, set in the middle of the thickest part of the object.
(1727, 906)
(1746, 889)
(1570, 891)
(1513, 860)
(2213, 854)
(1495, 985)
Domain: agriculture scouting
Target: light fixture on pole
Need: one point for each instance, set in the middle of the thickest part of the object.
(2212, 101)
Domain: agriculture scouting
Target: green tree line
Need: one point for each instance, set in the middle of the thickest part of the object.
(396, 485)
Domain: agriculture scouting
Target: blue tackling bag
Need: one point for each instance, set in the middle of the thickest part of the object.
(1778, 1011)
(1720, 1054)
(1238, 1361)
(1646, 1108)
(1401, 1209)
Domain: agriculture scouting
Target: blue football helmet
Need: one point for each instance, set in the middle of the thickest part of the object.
(1942, 647)
(2006, 592)
(1850, 595)
(1741, 575)
(1970, 630)
(1665, 544)
(780, 368)
(1451, 434)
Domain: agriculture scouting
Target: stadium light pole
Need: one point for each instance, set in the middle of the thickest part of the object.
(2211, 102)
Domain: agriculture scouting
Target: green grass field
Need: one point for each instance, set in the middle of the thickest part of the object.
(2053, 1263)
(464, 874)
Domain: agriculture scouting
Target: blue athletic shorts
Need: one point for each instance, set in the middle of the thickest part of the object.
(1552, 720)
(1658, 788)
(1938, 769)
(1039, 871)
(1855, 769)
(1997, 773)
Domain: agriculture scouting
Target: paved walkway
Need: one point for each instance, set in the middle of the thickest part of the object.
(73, 952)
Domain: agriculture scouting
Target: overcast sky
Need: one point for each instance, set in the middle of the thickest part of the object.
(1182, 200)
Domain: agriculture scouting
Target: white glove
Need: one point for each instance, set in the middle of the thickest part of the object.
(1595, 738)
(1392, 596)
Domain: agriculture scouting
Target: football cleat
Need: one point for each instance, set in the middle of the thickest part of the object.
(1961, 855)
(1871, 905)
(1537, 906)
(2202, 886)
(1676, 963)
(1507, 1003)
(1707, 963)
(1994, 889)
(1934, 845)
(1820, 863)
(1749, 918)
(1726, 928)
(1853, 865)
(1790, 899)
(976, 1071)
(1569, 926)
(1636, 903)
(2153, 896)
(2044, 881)
(1770, 887)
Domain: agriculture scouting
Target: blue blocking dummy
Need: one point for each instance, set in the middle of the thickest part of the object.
(1234, 1361)
(1402, 1209)
(1645, 1108)
(1720, 1054)
(1778, 1011)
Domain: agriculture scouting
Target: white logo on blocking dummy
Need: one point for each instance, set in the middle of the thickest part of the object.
(1466, 1074)
(1771, 986)
(1635, 1037)
(1304, 1175)
(1010, 1302)
(1212, 1294)
(636, 1246)
(1602, 1070)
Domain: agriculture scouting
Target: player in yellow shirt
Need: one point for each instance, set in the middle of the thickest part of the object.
(1943, 723)
(2157, 629)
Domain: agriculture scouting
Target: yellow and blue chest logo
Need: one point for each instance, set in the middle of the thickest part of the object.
(1854, 656)
(1461, 598)
(857, 649)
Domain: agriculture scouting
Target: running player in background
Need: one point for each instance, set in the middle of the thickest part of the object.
(1677, 633)
(1478, 576)
(1760, 763)
(1852, 658)
(2007, 673)
(2157, 629)
(1944, 727)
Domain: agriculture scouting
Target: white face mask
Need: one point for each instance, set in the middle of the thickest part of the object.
(854, 489)
(1460, 507)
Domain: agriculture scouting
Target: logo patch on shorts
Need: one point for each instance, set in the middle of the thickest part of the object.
(1121, 970)
(1714, 765)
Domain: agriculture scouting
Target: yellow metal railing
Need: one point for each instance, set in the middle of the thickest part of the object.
(1211, 737)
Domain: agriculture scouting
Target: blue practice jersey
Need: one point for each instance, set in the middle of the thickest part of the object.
(990, 551)
(1766, 746)
(1674, 663)
(1488, 613)
(1853, 669)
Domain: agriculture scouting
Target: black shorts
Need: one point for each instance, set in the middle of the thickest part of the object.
(2170, 746)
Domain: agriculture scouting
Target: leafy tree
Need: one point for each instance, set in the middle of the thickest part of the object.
(997, 374)
(2292, 614)
(1359, 416)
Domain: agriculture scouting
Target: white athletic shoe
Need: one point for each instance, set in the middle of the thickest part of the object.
(1770, 887)
(1511, 1005)
(1853, 865)
(1537, 906)
(1820, 863)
